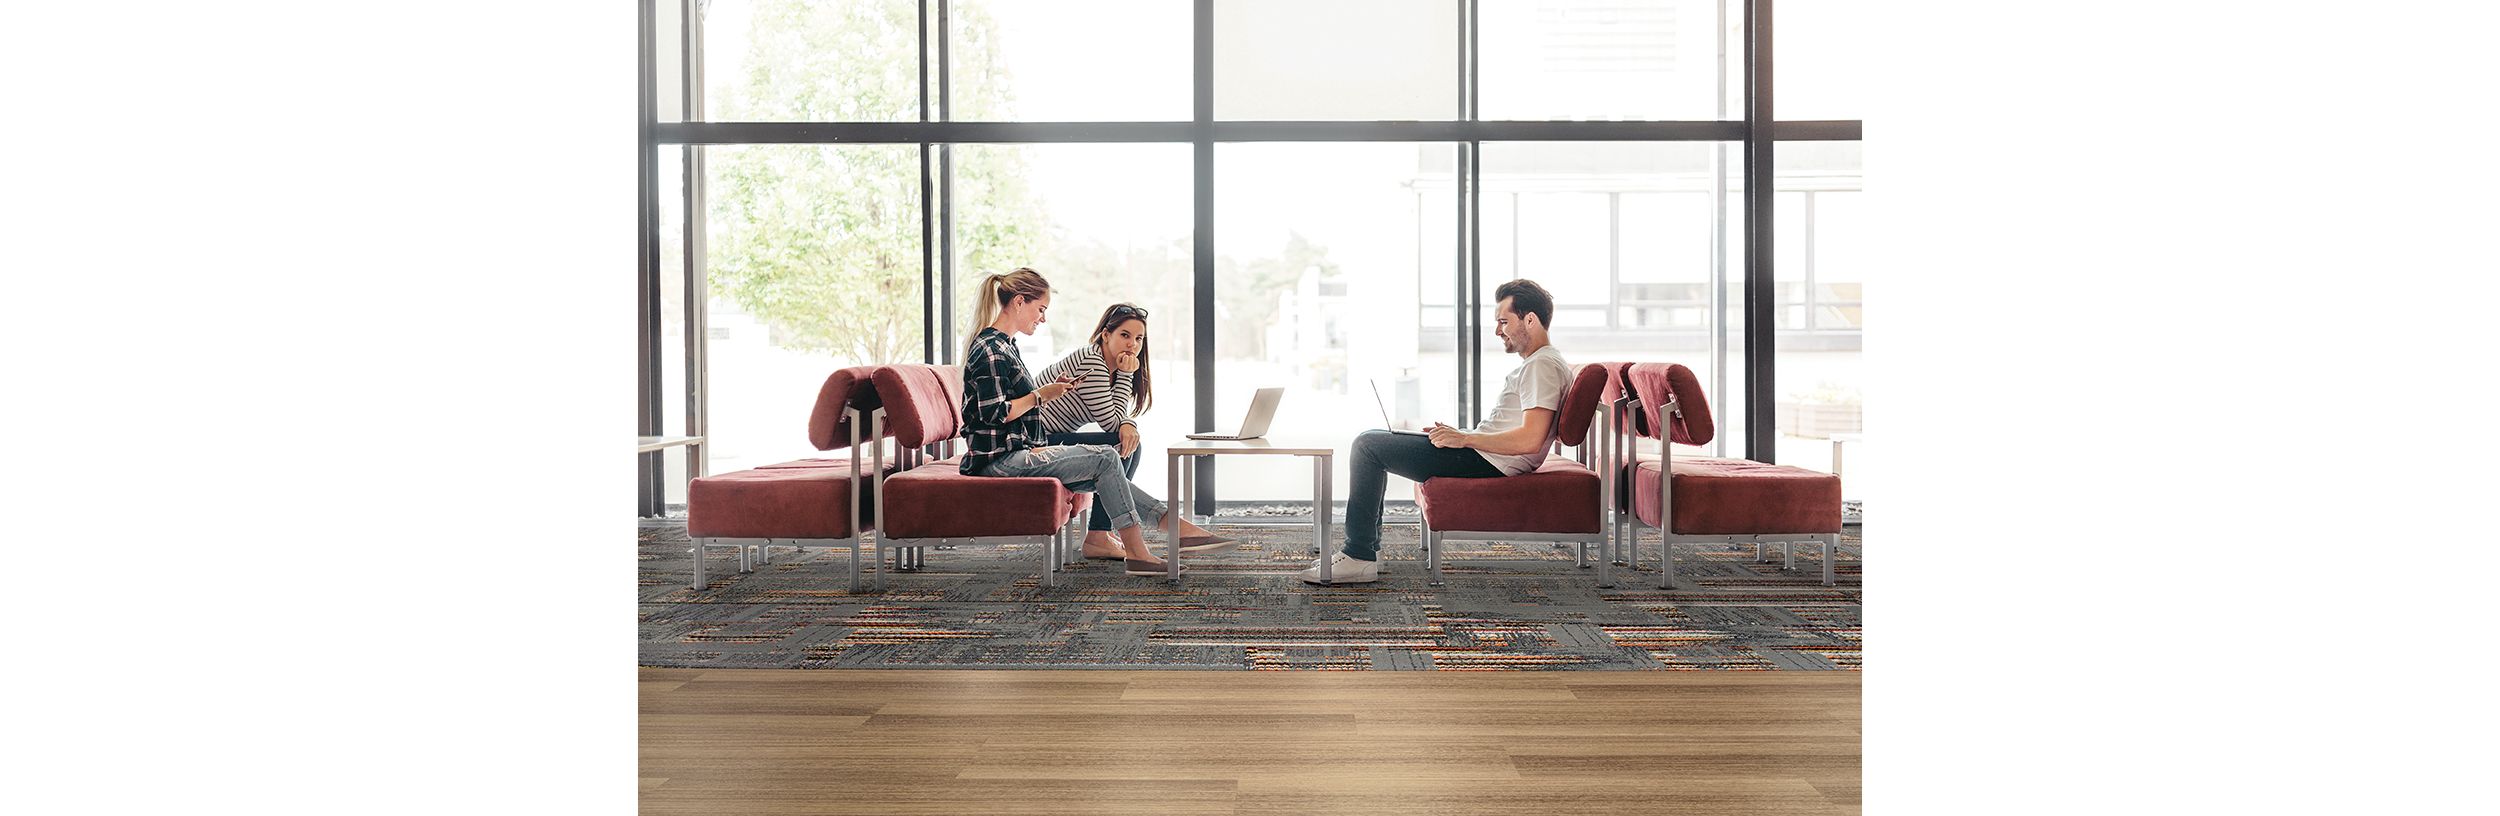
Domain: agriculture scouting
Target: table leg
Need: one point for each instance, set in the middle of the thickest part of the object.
(1175, 482)
(1319, 523)
(1328, 488)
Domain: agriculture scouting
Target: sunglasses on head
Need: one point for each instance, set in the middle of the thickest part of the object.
(1125, 309)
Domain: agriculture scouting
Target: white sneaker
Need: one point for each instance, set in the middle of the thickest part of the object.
(1346, 569)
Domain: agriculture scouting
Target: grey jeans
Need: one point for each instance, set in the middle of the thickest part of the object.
(1083, 468)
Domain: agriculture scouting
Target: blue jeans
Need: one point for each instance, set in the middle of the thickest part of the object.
(1380, 453)
(1086, 468)
(1101, 522)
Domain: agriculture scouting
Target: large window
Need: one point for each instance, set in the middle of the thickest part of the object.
(1621, 233)
(1106, 223)
(818, 60)
(1606, 59)
(1821, 58)
(1069, 60)
(1317, 260)
(813, 259)
(1332, 204)
(1821, 281)
(1331, 60)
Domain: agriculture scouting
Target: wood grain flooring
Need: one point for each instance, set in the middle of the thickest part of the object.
(717, 741)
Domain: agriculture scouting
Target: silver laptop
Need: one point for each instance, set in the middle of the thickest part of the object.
(1385, 422)
(1262, 409)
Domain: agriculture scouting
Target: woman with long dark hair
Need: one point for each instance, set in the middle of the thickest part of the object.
(1003, 431)
(1114, 378)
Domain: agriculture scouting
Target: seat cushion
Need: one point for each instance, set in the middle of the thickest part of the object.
(937, 500)
(776, 502)
(842, 463)
(1740, 497)
(1559, 497)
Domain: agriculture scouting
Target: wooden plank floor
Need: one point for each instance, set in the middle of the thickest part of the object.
(1071, 742)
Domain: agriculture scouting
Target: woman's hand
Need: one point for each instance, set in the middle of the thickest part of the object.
(1052, 391)
(1125, 361)
(1128, 439)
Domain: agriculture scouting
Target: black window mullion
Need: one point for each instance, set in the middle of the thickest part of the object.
(1202, 255)
(650, 470)
(1761, 431)
(694, 296)
(930, 292)
(946, 191)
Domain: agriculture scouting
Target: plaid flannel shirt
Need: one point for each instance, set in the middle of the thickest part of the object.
(993, 374)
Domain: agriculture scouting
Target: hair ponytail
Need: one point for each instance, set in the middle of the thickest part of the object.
(985, 305)
(999, 289)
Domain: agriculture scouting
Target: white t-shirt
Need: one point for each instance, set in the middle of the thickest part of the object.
(1538, 382)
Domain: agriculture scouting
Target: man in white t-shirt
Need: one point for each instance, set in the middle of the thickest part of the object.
(1512, 440)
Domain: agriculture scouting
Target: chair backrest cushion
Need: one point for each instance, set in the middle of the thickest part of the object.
(1591, 388)
(1638, 423)
(827, 427)
(1655, 384)
(923, 403)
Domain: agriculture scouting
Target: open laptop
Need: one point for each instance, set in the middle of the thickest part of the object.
(1262, 409)
(1385, 421)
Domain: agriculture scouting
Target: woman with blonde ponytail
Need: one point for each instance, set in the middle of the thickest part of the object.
(1003, 431)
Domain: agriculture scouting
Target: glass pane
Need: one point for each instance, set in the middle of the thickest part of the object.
(816, 60)
(814, 263)
(668, 35)
(1381, 60)
(1106, 223)
(1821, 283)
(672, 203)
(1318, 246)
(1819, 59)
(1620, 234)
(1606, 60)
(1018, 60)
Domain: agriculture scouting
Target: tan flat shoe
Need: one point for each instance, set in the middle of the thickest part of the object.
(1194, 545)
(1149, 569)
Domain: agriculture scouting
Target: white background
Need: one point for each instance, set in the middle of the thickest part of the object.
(265, 263)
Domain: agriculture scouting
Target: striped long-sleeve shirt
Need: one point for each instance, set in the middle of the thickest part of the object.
(993, 374)
(1102, 394)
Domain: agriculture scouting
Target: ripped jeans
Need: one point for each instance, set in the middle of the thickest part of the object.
(1096, 468)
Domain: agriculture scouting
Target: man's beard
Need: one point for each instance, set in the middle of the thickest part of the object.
(1509, 347)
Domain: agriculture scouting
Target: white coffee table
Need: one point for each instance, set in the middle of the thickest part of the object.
(1178, 482)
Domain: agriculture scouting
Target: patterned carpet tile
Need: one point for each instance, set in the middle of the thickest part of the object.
(1503, 607)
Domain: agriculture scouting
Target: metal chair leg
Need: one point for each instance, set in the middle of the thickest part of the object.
(1666, 560)
(1432, 557)
(1788, 556)
(699, 583)
(854, 565)
(1831, 548)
